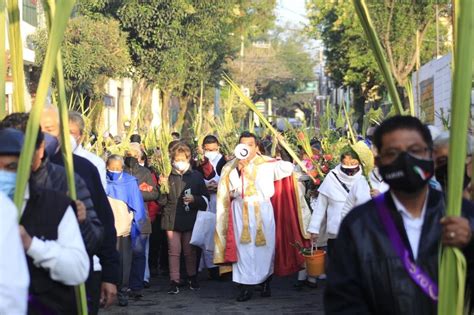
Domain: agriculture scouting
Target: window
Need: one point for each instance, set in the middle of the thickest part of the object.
(30, 12)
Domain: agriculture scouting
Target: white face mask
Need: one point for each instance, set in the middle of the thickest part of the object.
(181, 166)
(211, 155)
(73, 143)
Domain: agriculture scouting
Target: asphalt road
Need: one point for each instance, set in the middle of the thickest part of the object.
(218, 297)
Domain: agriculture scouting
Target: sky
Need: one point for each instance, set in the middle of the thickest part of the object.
(293, 11)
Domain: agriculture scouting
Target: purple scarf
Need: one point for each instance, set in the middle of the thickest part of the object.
(421, 278)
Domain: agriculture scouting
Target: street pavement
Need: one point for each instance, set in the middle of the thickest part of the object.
(218, 297)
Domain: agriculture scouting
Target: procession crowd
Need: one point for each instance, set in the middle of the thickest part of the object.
(251, 214)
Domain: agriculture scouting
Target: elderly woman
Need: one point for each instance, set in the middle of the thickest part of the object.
(149, 192)
(440, 156)
(129, 213)
(333, 194)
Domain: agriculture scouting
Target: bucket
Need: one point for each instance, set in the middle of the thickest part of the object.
(315, 263)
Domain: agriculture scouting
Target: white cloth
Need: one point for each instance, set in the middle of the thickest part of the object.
(14, 275)
(208, 255)
(413, 226)
(66, 258)
(94, 159)
(360, 191)
(306, 211)
(96, 263)
(331, 200)
(323, 234)
(203, 231)
(213, 201)
(255, 263)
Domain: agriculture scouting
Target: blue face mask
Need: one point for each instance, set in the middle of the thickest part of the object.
(113, 175)
(8, 183)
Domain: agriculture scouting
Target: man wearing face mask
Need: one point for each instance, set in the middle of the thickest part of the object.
(440, 156)
(247, 231)
(51, 176)
(210, 146)
(387, 249)
(57, 258)
(107, 263)
(76, 129)
(149, 192)
(333, 194)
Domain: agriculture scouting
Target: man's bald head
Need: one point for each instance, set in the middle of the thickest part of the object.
(50, 121)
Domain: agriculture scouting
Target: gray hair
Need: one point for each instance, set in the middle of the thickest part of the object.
(115, 157)
(76, 118)
(442, 140)
(136, 147)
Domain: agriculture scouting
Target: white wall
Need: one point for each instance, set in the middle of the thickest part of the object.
(110, 114)
(440, 71)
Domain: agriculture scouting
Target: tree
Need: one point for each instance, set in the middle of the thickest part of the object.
(93, 52)
(403, 28)
(177, 44)
(350, 62)
(276, 69)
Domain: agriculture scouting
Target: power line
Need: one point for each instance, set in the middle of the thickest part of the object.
(292, 11)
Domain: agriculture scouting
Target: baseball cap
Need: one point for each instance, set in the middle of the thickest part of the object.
(11, 141)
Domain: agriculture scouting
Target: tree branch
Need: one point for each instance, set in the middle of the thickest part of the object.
(411, 64)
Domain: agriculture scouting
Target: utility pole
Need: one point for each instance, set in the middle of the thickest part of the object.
(242, 49)
(437, 31)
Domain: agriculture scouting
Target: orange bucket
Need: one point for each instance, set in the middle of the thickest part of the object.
(315, 263)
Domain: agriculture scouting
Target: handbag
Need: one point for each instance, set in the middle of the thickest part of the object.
(203, 231)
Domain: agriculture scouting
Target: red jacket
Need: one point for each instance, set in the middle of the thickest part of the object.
(154, 208)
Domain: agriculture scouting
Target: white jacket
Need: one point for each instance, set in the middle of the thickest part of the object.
(331, 200)
(14, 274)
(360, 192)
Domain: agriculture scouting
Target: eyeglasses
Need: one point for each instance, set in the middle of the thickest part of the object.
(392, 154)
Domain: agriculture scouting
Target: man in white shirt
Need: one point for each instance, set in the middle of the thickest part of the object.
(76, 129)
(57, 258)
(14, 276)
(387, 250)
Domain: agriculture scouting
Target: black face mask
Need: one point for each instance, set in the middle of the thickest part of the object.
(131, 161)
(350, 171)
(407, 173)
(441, 174)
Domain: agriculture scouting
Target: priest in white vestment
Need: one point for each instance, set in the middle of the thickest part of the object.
(251, 186)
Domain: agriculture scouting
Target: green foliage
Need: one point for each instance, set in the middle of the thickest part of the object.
(176, 44)
(452, 262)
(350, 62)
(278, 70)
(93, 51)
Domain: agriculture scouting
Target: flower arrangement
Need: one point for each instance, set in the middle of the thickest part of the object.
(319, 165)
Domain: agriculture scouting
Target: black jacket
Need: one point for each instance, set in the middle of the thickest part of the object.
(366, 276)
(41, 218)
(53, 176)
(108, 255)
(174, 215)
(144, 176)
